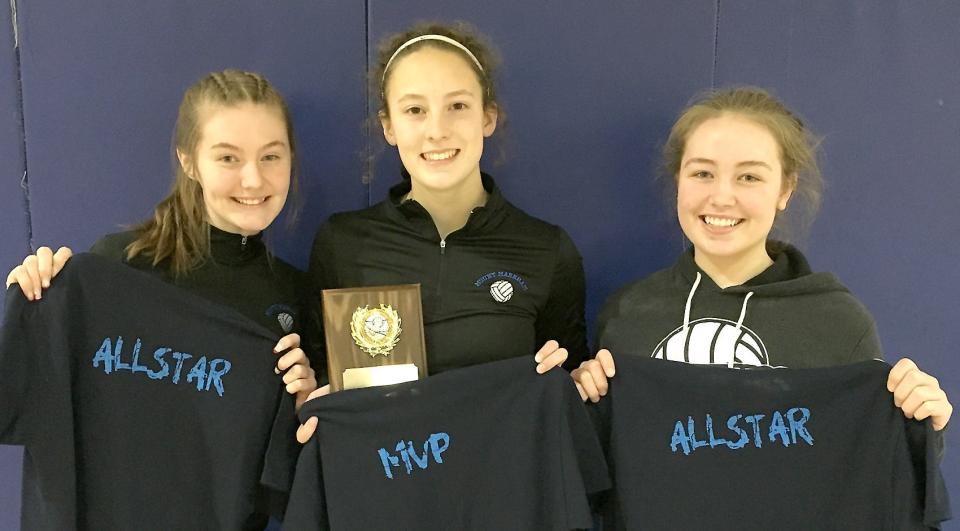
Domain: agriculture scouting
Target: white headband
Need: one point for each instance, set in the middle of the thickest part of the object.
(429, 37)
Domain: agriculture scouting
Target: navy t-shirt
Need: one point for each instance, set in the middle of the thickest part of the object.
(703, 447)
(493, 446)
(140, 406)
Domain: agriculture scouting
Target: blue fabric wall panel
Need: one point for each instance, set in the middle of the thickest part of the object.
(102, 82)
(13, 211)
(11, 470)
(589, 93)
(13, 235)
(881, 83)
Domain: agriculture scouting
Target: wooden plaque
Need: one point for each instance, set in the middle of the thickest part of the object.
(369, 327)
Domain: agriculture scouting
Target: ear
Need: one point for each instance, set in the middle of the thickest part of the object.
(388, 134)
(186, 164)
(789, 185)
(490, 116)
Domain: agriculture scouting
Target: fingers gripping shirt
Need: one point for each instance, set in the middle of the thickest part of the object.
(705, 447)
(493, 446)
(139, 403)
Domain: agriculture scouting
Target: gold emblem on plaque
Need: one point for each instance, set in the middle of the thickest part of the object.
(376, 330)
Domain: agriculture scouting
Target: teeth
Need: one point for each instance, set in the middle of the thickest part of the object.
(249, 200)
(440, 155)
(720, 222)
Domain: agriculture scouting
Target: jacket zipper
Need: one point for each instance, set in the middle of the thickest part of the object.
(443, 248)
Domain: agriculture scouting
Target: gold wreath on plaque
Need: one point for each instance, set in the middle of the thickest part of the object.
(376, 330)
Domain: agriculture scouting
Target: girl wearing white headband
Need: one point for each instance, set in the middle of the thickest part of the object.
(496, 283)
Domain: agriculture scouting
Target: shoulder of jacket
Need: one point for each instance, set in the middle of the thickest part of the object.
(350, 217)
(114, 245)
(285, 268)
(656, 286)
(844, 302)
(521, 222)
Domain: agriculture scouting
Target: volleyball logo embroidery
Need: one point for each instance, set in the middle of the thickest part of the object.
(501, 290)
(713, 341)
(284, 314)
(286, 321)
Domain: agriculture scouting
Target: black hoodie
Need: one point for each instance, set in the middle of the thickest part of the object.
(786, 316)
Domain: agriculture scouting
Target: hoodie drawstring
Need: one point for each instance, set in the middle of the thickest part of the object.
(743, 311)
(686, 310)
(686, 313)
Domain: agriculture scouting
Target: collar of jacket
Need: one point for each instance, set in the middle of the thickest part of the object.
(410, 213)
(232, 249)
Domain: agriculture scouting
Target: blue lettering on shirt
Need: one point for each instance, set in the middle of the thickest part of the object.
(204, 372)
(784, 428)
(434, 446)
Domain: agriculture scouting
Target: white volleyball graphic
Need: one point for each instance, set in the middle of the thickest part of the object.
(501, 290)
(286, 321)
(713, 341)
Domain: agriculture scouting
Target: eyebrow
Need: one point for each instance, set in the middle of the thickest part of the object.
(739, 164)
(275, 143)
(463, 92)
(454, 94)
(227, 145)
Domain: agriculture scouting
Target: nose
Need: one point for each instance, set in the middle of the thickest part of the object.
(438, 127)
(722, 193)
(250, 175)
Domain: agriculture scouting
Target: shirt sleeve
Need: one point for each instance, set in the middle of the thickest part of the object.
(562, 317)
(868, 347)
(319, 278)
(282, 448)
(307, 508)
(607, 313)
(920, 499)
(19, 367)
(587, 444)
(926, 452)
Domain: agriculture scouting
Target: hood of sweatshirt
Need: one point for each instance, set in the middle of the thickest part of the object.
(789, 274)
(785, 316)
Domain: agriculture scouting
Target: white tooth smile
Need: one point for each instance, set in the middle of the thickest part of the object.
(440, 155)
(250, 201)
(721, 222)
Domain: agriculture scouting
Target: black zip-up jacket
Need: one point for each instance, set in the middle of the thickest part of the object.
(498, 288)
(241, 274)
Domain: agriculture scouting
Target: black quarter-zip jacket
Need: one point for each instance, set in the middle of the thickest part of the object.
(241, 274)
(498, 288)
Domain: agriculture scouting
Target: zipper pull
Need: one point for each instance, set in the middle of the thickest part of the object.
(243, 243)
(443, 245)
